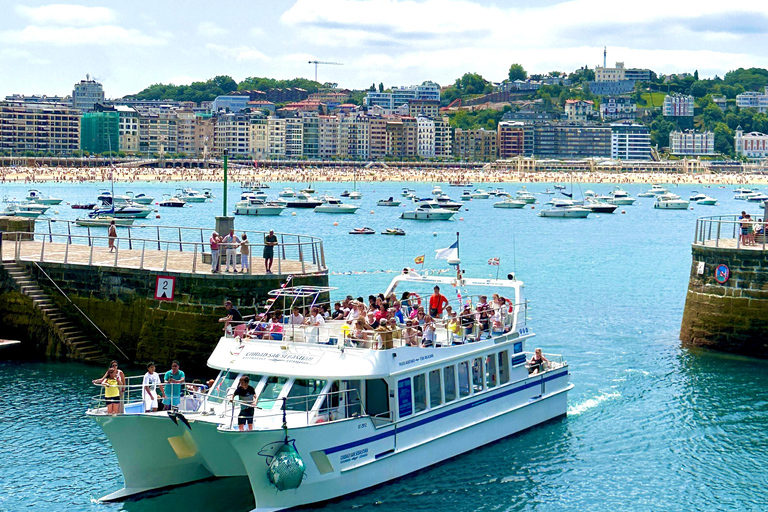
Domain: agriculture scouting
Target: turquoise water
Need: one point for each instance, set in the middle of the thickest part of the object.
(651, 426)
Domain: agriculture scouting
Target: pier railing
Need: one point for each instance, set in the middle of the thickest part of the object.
(160, 248)
(730, 232)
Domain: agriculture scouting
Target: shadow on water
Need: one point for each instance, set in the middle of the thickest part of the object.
(225, 494)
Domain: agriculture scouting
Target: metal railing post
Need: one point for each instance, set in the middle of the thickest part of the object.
(717, 240)
(143, 248)
(322, 255)
(50, 232)
(66, 252)
(158, 238)
(181, 248)
(301, 259)
(42, 250)
(130, 242)
(69, 232)
(165, 263)
(90, 242)
(90, 257)
(194, 260)
(117, 250)
(282, 245)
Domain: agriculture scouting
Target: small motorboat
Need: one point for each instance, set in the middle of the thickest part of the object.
(171, 202)
(362, 231)
(670, 202)
(757, 197)
(104, 221)
(332, 204)
(208, 194)
(345, 193)
(140, 198)
(36, 196)
(393, 231)
(707, 201)
(308, 190)
(654, 191)
(407, 192)
(436, 190)
(14, 210)
(287, 192)
(598, 206)
(447, 203)
(565, 209)
(466, 196)
(85, 206)
(524, 195)
(696, 196)
(190, 196)
(589, 193)
(480, 194)
(548, 192)
(559, 187)
(132, 211)
(428, 210)
(741, 190)
(510, 203)
(355, 195)
(302, 200)
(620, 197)
(388, 202)
(257, 206)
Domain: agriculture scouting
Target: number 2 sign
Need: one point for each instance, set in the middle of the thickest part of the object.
(165, 287)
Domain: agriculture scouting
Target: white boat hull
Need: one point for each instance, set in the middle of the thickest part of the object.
(671, 205)
(427, 216)
(566, 213)
(707, 202)
(510, 204)
(621, 201)
(259, 210)
(344, 208)
(388, 203)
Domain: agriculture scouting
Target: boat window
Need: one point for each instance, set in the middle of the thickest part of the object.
(272, 389)
(490, 371)
(377, 398)
(404, 401)
(303, 394)
(518, 347)
(463, 379)
(419, 392)
(435, 393)
(503, 367)
(224, 381)
(352, 397)
(449, 378)
(477, 374)
(329, 404)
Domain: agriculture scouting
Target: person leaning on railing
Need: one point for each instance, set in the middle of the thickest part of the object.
(538, 363)
(112, 390)
(246, 395)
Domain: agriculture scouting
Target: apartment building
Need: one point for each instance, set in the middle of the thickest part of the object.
(424, 108)
(398, 96)
(99, 132)
(311, 137)
(157, 132)
(475, 145)
(127, 129)
(579, 110)
(571, 140)
(614, 74)
(258, 132)
(443, 139)
(691, 143)
(39, 127)
(401, 138)
(377, 146)
(617, 107)
(425, 137)
(86, 94)
(512, 139)
(204, 132)
(230, 103)
(753, 145)
(328, 137)
(232, 134)
(630, 141)
(275, 137)
(185, 130)
(678, 105)
(355, 132)
(294, 137)
(753, 99)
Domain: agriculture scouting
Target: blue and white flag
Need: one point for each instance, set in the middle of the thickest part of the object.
(449, 253)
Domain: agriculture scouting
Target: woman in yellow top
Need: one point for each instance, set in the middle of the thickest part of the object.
(112, 392)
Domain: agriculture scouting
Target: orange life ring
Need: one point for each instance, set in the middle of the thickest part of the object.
(417, 296)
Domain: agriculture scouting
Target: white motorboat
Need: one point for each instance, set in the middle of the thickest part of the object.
(498, 191)
(35, 196)
(140, 198)
(208, 194)
(15, 210)
(524, 195)
(287, 192)
(510, 203)
(190, 196)
(466, 195)
(428, 210)
(707, 201)
(388, 202)
(654, 191)
(742, 190)
(332, 204)
(599, 206)
(696, 196)
(620, 197)
(744, 196)
(302, 200)
(565, 209)
(104, 221)
(123, 211)
(355, 195)
(670, 202)
(407, 192)
(334, 412)
(480, 194)
(758, 197)
(257, 206)
(548, 192)
(446, 202)
(437, 191)
(589, 193)
(171, 202)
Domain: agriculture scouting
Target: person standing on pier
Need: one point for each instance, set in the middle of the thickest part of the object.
(112, 234)
(231, 242)
(215, 260)
(270, 241)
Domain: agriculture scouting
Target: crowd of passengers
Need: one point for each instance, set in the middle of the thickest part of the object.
(383, 319)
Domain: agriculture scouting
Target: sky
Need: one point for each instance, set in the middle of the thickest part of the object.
(45, 48)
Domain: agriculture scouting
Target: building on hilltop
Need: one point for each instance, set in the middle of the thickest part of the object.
(753, 145)
(86, 94)
(606, 74)
(389, 101)
(611, 88)
(230, 103)
(678, 105)
(39, 128)
(630, 141)
(579, 110)
(617, 107)
(691, 143)
(753, 99)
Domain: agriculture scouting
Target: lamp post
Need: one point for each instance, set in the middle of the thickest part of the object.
(225, 222)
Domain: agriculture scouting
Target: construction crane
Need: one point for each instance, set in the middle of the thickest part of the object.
(316, 62)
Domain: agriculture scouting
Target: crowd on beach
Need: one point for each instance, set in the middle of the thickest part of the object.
(373, 174)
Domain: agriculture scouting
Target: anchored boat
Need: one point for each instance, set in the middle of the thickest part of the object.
(334, 411)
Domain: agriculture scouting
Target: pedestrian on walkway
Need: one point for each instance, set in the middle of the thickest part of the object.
(215, 261)
(112, 234)
(231, 241)
(270, 241)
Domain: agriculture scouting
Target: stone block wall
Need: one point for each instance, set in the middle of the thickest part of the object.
(732, 316)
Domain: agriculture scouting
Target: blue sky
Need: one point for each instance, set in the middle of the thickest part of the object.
(45, 48)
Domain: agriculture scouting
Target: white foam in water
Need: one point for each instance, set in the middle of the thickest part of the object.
(591, 403)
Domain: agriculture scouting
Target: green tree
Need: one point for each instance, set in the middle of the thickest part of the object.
(699, 89)
(517, 72)
(381, 86)
(723, 139)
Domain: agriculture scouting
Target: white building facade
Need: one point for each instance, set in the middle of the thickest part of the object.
(678, 105)
(753, 99)
(753, 145)
(691, 143)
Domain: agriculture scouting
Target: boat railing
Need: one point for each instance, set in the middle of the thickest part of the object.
(551, 362)
(727, 231)
(191, 397)
(155, 248)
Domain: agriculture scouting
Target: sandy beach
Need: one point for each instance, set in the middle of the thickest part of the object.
(336, 174)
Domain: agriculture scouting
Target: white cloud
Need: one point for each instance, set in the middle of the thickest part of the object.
(104, 35)
(67, 14)
(238, 53)
(210, 29)
(257, 32)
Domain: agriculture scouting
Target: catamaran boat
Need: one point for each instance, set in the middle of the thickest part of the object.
(510, 203)
(35, 196)
(388, 202)
(140, 198)
(287, 192)
(332, 204)
(654, 191)
(257, 206)
(302, 200)
(171, 202)
(190, 196)
(565, 209)
(335, 412)
(524, 195)
(428, 210)
(480, 194)
(670, 202)
(620, 197)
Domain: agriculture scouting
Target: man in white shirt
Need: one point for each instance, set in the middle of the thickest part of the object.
(149, 388)
(314, 320)
(296, 317)
(231, 242)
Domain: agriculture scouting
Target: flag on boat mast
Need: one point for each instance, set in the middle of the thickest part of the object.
(449, 253)
(419, 260)
(494, 261)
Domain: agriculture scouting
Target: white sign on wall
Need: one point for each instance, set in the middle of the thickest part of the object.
(700, 268)
(165, 287)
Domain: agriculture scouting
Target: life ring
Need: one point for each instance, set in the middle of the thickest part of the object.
(416, 296)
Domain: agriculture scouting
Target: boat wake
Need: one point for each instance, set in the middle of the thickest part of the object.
(591, 403)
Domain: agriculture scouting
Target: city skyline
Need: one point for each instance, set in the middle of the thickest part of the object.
(47, 47)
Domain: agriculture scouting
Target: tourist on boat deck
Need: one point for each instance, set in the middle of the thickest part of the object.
(275, 328)
(436, 303)
(398, 312)
(360, 332)
(484, 312)
(296, 317)
(419, 316)
(409, 334)
(429, 336)
(246, 395)
(537, 364)
(405, 302)
(354, 312)
(338, 312)
(245, 253)
(174, 379)
(111, 391)
(467, 319)
(234, 319)
(447, 313)
(215, 241)
(149, 386)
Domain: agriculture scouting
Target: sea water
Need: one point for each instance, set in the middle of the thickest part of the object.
(650, 425)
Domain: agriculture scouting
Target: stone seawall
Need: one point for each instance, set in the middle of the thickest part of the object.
(730, 316)
(121, 303)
